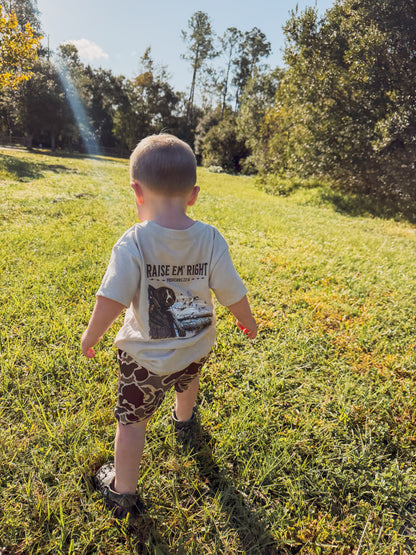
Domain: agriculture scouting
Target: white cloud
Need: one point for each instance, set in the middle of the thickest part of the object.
(88, 50)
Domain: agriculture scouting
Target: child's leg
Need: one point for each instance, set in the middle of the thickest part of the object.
(128, 452)
(186, 400)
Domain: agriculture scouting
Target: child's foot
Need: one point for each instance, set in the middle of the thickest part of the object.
(122, 505)
(185, 430)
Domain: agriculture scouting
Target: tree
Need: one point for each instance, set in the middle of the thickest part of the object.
(346, 107)
(229, 43)
(75, 81)
(153, 87)
(103, 93)
(151, 104)
(69, 55)
(200, 44)
(221, 145)
(18, 50)
(253, 126)
(252, 49)
(98, 95)
(209, 119)
(26, 12)
(41, 109)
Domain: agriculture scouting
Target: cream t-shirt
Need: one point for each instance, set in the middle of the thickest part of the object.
(164, 277)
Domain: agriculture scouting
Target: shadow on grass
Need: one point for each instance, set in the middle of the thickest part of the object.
(21, 169)
(388, 205)
(145, 537)
(241, 516)
(365, 205)
(24, 170)
(252, 531)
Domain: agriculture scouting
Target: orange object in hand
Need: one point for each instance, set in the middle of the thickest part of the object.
(243, 329)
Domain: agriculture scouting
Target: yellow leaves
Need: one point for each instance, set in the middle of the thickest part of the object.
(10, 22)
(144, 80)
(267, 318)
(354, 334)
(18, 51)
(273, 261)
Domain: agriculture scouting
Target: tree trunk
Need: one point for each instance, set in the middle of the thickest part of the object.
(192, 91)
(29, 140)
(224, 96)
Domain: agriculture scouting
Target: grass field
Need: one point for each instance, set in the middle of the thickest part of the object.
(309, 437)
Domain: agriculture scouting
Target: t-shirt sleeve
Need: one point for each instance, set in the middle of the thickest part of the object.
(227, 285)
(121, 280)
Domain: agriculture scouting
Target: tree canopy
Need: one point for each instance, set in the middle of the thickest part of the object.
(200, 42)
(18, 50)
(346, 106)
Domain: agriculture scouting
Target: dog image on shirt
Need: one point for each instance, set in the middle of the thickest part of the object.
(162, 324)
(173, 316)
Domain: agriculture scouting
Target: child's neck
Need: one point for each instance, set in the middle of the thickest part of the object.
(170, 213)
(181, 221)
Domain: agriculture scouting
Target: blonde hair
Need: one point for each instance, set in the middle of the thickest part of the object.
(164, 163)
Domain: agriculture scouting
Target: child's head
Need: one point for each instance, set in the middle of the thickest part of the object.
(164, 164)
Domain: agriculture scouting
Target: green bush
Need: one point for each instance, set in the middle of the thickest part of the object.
(222, 147)
(346, 105)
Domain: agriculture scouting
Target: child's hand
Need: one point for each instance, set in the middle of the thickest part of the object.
(90, 353)
(251, 333)
(86, 347)
(104, 313)
(244, 318)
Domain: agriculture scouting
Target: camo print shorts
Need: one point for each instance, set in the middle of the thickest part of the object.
(141, 392)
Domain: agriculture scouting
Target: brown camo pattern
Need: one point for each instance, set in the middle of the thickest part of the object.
(141, 392)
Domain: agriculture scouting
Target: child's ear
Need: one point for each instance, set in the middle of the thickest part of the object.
(194, 196)
(138, 191)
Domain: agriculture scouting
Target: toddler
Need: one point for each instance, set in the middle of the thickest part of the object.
(161, 271)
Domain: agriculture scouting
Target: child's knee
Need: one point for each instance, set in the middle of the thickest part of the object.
(132, 428)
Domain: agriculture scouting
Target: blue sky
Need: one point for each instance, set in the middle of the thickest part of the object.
(114, 34)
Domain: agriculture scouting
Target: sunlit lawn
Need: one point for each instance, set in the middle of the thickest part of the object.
(308, 434)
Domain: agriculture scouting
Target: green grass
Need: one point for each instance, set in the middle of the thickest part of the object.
(309, 432)
(319, 193)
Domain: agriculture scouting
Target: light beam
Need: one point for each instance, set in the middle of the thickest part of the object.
(78, 109)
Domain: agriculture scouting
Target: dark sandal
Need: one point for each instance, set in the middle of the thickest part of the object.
(185, 430)
(122, 504)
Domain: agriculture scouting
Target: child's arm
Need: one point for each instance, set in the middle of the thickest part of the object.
(245, 320)
(105, 312)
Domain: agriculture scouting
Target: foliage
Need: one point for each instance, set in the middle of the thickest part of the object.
(278, 185)
(117, 111)
(104, 93)
(253, 47)
(68, 54)
(239, 142)
(208, 120)
(39, 106)
(151, 104)
(241, 55)
(18, 50)
(308, 434)
(346, 104)
(229, 44)
(199, 40)
(221, 147)
(256, 102)
(26, 12)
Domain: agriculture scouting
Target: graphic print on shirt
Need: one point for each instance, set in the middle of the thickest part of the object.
(176, 316)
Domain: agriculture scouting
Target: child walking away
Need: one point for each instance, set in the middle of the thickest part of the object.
(161, 271)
